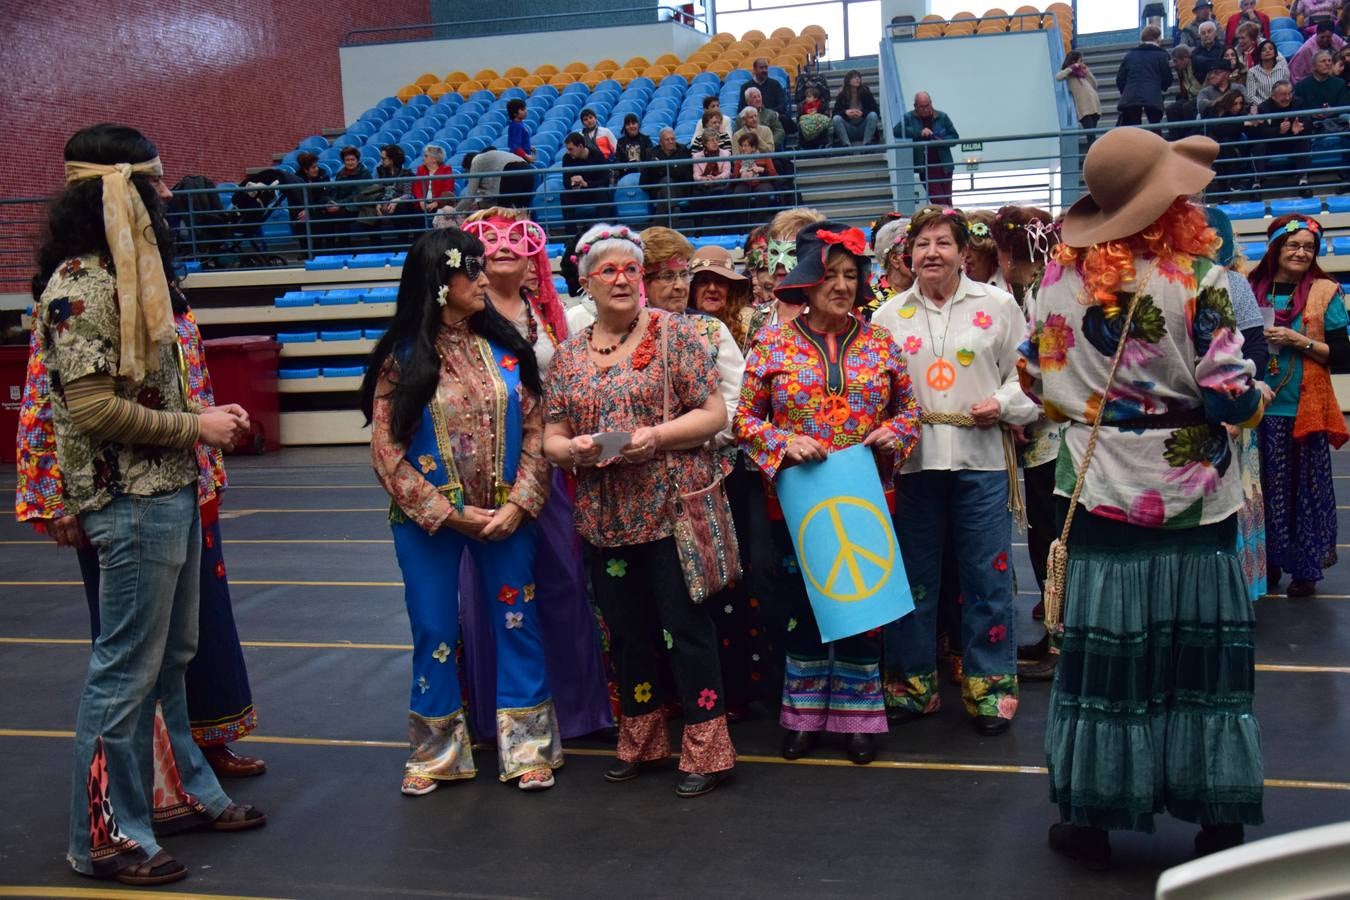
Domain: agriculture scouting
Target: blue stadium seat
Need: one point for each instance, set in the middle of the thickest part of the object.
(1303, 206)
(1338, 203)
(1340, 246)
(419, 101)
(314, 143)
(292, 299)
(630, 200)
(1282, 21)
(673, 80)
(343, 371)
(545, 90)
(342, 296)
(361, 128)
(548, 206)
(290, 158)
(374, 334)
(390, 103)
(706, 78)
(514, 93)
(1254, 250)
(381, 295)
(330, 167)
(576, 87)
(354, 335)
(377, 114)
(1248, 210)
(297, 337)
(1328, 151)
(288, 374)
(779, 74)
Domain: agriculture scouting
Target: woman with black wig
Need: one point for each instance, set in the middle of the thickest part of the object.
(126, 428)
(452, 394)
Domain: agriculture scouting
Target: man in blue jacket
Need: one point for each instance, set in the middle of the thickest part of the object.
(1145, 72)
(927, 127)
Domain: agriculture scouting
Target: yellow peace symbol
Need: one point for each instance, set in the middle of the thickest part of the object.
(847, 558)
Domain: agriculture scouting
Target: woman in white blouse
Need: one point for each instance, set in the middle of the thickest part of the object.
(1271, 68)
(961, 341)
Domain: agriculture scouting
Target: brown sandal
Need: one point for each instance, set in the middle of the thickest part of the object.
(239, 817)
(159, 869)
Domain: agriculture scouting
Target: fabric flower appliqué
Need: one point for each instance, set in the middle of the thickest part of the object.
(907, 311)
(668, 638)
(997, 633)
(982, 319)
(529, 592)
(508, 595)
(442, 653)
(642, 693)
(422, 684)
(514, 619)
(707, 698)
(427, 463)
(1001, 562)
(220, 569)
(616, 568)
(509, 363)
(913, 343)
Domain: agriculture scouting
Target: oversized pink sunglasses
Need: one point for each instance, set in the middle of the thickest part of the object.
(523, 238)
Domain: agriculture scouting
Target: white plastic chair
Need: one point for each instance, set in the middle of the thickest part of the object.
(1302, 865)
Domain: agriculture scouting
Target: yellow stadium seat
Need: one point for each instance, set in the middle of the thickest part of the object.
(722, 38)
(991, 26)
(576, 68)
(771, 46)
(753, 35)
(438, 90)
(959, 29)
(722, 67)
(470, 87)
(515, 72)
(963, 16)
(931, 30)
(426, 79)
(408, 91)
(497, 85)
(1063, 14)
(784, 32)
(456, 78)
(485, 75)
(608, 66)
(667, 59)
(817, 34)
(545, 70)
(656, 73)
(637, 62)
(591, 79)
(624, 75)
(689, 70)
(530, 82)
(558, 79)
(1025, 18)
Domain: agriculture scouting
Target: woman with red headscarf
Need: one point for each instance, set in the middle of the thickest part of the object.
(1304, 420)
(514, 251)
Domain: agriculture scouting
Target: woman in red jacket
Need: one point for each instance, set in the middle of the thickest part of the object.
(433, 187)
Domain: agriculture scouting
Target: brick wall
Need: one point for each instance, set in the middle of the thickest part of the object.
(219, 86)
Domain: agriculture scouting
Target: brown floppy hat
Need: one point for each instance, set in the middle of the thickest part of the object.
(713, 260)
(1132, 176)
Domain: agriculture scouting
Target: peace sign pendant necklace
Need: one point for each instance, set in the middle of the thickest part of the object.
(941, 374)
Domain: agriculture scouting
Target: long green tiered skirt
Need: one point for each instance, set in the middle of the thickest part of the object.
(1152, 703)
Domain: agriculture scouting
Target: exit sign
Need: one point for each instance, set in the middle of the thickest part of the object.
(972, 146)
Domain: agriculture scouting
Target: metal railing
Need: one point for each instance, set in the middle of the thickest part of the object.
(295, 222)
(690, 15)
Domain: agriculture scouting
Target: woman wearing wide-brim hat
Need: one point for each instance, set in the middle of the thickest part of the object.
(1151, 709)
(825, 381)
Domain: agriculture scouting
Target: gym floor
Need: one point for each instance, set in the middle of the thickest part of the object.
(318, 600)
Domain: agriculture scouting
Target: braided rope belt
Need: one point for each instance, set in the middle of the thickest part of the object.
(965, 420)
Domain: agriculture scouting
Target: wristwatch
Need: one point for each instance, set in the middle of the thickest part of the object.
(1308, 346)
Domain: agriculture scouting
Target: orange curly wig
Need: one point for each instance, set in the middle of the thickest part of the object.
(1181, 231)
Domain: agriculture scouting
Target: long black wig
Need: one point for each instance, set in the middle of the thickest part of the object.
(411, 337)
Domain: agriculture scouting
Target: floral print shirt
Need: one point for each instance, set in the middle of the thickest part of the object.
(467, 393)
(77, 332)
(37, 495)
(961, 353)
(621, 503)
(1183, 358)
(837, 389)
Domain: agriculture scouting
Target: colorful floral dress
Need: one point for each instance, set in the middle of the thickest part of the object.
(837, 389)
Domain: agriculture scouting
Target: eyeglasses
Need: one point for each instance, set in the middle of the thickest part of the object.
(610, 274)
(1292, 247)
(523, 238)
(670, 276)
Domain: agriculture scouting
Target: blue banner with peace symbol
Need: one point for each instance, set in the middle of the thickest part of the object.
(846, 548)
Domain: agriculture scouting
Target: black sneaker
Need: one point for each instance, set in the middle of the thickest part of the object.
(1089, 846)
(1216, 838)
(694, 784)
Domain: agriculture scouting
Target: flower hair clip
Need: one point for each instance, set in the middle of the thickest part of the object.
(454, 259)
(443, 295)
(979, 230)
(619, 233)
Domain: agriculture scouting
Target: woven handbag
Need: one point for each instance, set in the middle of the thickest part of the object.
(1057, 561)
(705, 536)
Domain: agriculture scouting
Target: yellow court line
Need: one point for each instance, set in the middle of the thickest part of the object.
(17, 890)
(911, 765)
(232, 581)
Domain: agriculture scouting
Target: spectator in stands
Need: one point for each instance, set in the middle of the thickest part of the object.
(1082, 86)
(1314, 13)
(1237, 75)
(434, 187)
(750, 124)
(1283, 134)
(1233, 168)
(1303, 421)
(387, 219)
(669, 183)
(1343, 21)
(1301, 65)
(932, 132)
(316, 211)
(490, 185)
(1190, 35)
(1208, 51)
(752, 177)
(1249, 35)
(1218, 81)
(813, 126)
(1188, 86)
(1342, 67)
(517, 132)
(599, 137)
(1247, 12)
(1270, 69)
(347, 196)
(633, 146)
(712, 173)
(768, 117)
(712, 118)
(857, 115)
(772, 93)
(1143, 75)
(981, 251)
(583, 189)
(1321, 91)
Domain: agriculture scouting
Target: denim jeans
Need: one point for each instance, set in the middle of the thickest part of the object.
(149, 566)
(848, 132)
(974, 505)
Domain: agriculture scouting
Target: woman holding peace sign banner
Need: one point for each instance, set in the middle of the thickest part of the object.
(825, 381)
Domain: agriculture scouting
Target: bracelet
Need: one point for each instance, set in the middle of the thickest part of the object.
(572, 451)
